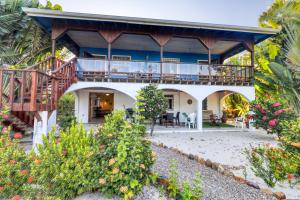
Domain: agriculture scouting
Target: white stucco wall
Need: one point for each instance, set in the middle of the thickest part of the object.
(82, 102)
(196, 92)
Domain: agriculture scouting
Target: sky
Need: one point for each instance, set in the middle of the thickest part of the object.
(231, 12)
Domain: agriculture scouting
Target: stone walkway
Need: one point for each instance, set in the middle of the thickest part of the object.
(226, 148)
(215, 185)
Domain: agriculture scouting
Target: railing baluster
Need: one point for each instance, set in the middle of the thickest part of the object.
(1, 87)
(33, 97)
(11, 88)
(23, 85)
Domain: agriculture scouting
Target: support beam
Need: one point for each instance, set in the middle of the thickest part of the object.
(199, 115)
(53, 54)
(108, 59)
(110, 35)
(161, 60)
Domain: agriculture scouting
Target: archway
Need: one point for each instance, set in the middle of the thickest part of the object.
(93, 103)
(224, 108)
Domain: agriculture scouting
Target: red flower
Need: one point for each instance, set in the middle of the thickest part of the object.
(24, 171)
(12, 162)
(276, 104)
(273, 122)
(30, 180)
(262, 111)
(264, 118)
(17, 197)
(18, 135)
(290, 176)
(1, 188)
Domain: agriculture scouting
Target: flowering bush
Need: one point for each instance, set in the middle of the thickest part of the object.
(66, 166)
(279, 164)
(14, 165)
(274, 164)
(291, 136)
(270, 114)
(125, 157)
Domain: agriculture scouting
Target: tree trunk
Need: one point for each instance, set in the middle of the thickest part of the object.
(152, 127)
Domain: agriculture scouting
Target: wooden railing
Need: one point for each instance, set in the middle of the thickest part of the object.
(35, 89)
(140, 71)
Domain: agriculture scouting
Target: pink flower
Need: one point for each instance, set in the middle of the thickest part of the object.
(4, 129)
(264, 118)
(278, 112)
(6, 117)
(276, 104)
(273, 122)
(257, 106)
(262, 111)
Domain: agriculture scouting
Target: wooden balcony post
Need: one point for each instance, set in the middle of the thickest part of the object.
(53, 54)
(252, 64)
(209, 64)
(33, 91)
(161, 61)
(108, 59)
(23, 84)
(11, 88)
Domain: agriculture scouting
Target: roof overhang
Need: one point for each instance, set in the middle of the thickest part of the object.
(46, 13)
(45, 18)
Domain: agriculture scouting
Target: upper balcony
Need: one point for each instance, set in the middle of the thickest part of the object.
(89, 69)
(195, 51)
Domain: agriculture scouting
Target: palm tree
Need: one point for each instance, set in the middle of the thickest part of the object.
(21, 40)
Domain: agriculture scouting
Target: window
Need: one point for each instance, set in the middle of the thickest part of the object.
(170, 100)
(99, 56)
(121, 58)
(171, 60)
(202, 62)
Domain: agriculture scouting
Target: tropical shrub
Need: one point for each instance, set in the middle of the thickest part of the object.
(14, 165)
(151, 103)
(125, 156)
(187, 191)
(65, 111)
(65, 167)
(291, 136)
(279, 164)
(270, 114)
(274, 164)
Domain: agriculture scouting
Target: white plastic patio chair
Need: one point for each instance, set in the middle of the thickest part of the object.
(239, 122)
(192, 120)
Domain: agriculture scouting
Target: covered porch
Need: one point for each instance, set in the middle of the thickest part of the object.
(189, 107)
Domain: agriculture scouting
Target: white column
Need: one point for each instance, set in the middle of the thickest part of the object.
(199, 114)
(43, 127)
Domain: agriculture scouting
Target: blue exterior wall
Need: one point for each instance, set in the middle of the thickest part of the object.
(149, 55)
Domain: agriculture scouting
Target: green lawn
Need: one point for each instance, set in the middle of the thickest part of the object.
(209, 125)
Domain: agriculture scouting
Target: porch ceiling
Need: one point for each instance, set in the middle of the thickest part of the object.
(146, 43)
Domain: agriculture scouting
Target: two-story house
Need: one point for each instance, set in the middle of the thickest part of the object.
(116, 56)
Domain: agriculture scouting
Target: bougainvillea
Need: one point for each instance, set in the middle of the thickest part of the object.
(14, 165)
(270, 114)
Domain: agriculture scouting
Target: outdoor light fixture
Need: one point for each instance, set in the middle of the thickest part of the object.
(107, 94)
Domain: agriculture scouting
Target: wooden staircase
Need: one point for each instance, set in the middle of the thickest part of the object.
(37, 88)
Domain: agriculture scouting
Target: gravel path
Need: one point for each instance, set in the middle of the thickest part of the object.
(215, 185)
